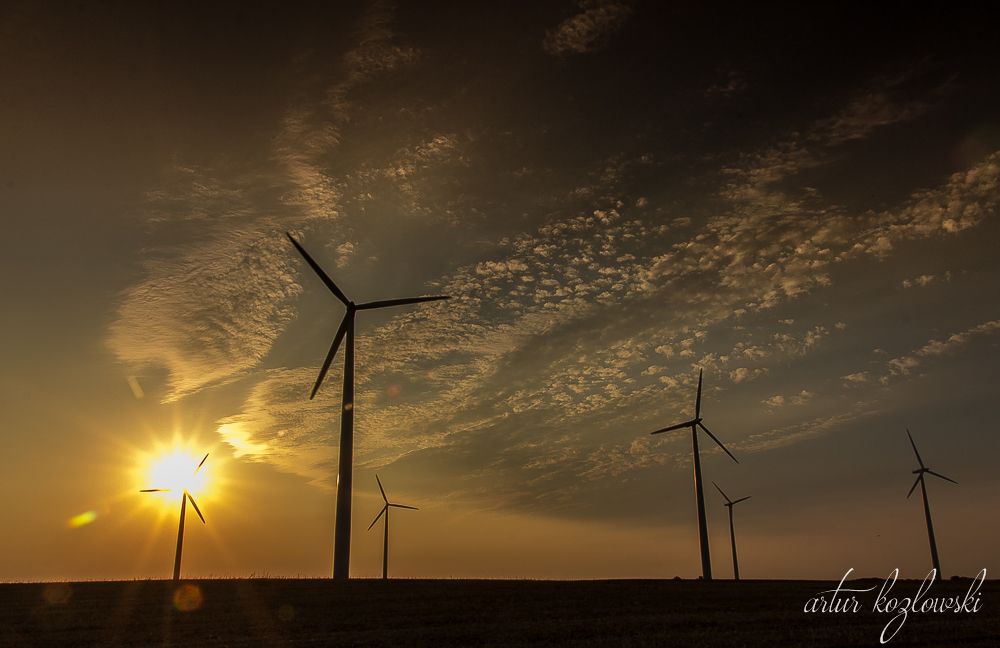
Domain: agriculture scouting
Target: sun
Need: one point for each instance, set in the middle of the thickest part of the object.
(176, 471)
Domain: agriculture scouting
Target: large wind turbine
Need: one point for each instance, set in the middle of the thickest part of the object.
(732, 530)
(185, 496)
(342, 542)
(385, 533)
(694, 424)
(927, 507)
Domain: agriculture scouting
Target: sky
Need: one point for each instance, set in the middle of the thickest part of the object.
(799, 200)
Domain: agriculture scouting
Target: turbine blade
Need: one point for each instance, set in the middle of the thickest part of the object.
(412, 508)
(201, 464)
(697, 402)
(742, 499)
(384, 508)
(718, 488)
(384, 498)
(942, 476)
(674, 427)
(714, 438)
(337, 339)
(919, 477)
(919, 460)
(318, 270)
(155, 490)
(195, 505)
(400, 302)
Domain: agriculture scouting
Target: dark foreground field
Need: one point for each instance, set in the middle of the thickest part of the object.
(499, 613)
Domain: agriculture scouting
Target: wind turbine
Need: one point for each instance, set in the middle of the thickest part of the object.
(927, 507)
(732, 531)
(185, 496)
(694, 424)
(342, 542)
(385, 533)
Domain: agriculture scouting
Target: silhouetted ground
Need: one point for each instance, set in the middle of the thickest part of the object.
(454, 612)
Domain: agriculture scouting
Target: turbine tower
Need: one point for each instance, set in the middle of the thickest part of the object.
(185, 496)
(342, 542)
(927, 507)
(732, 530)
(694, 424)
(385, 532)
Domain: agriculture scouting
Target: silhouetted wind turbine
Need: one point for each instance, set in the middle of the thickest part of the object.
(732, 530)
(694, 424)
(342, 542)
(927, 507)
(385, 534)
(185, 496)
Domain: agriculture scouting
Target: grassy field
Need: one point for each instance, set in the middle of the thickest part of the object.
(454, 612)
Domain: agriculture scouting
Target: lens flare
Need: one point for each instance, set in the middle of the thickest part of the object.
(57, 593)
(83, 519)
(188, 597)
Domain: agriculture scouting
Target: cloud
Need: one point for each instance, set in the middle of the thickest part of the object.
(797, 432)
(745, 374)
(905, 365)
(919, 281)
(962, 203)
(731, 83)
(344, 253)
(211, 313)
(803, 397)
(856, 378)
(588, 30)
(774, 402)
(778, 400)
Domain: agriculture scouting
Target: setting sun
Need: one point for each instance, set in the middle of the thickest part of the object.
(176, 471)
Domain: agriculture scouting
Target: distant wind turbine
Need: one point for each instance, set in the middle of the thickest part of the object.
(927, 507)
(342, 542)
(732, 530)
(185, 496)
(385, 532)
(694, 424)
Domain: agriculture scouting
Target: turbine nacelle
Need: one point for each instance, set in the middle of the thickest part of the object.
(730, 503)
(352, 309)
(696, 423)
(919, 472)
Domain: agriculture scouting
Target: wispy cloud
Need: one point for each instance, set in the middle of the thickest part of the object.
(921, 281)
(904, 365)
(588, 30)
(784, 436)
(857, 378)
(211, 313)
